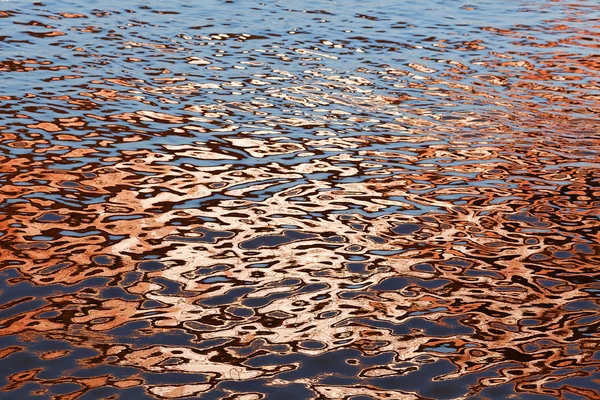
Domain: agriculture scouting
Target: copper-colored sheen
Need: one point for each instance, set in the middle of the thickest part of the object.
(238, 200)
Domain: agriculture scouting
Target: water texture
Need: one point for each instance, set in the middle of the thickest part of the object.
(300, 199)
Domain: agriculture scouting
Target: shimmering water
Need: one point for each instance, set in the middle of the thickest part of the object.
(300, 199)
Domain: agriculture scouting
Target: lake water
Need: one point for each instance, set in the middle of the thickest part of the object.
(300, 199)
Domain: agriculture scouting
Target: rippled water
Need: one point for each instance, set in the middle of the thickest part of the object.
(300, 200)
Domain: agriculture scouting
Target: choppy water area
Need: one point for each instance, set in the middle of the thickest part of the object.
(300, 200)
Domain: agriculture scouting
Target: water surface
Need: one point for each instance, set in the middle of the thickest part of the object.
(300, 200)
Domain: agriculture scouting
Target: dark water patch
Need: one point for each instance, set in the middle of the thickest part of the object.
(406, 229)
(275, 240)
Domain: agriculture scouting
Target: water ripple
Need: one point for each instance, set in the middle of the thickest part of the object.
(242, 200)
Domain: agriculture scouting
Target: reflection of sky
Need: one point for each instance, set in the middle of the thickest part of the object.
(398, 32)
